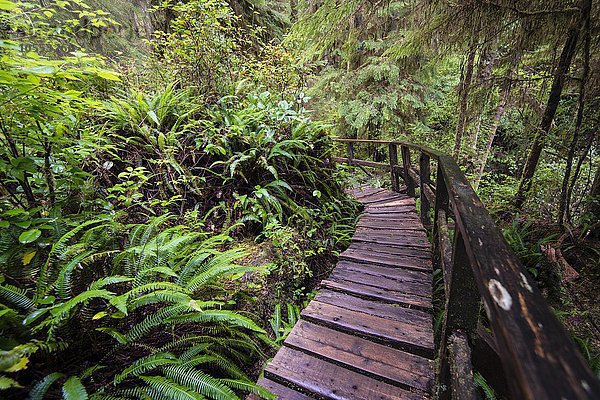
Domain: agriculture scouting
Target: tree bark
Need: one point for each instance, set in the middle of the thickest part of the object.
(537, 146)
(565, 190)
(495, 124)
(463, 94)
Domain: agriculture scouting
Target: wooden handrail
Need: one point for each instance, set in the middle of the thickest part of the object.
(538, 358)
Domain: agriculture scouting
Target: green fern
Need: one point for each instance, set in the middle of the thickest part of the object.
(39, 390)
(16, 296)
(165, 388)
(73, 389)
(145, 364)
(220, 316)
(200, 382)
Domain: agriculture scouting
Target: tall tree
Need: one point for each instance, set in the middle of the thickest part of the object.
(558, 82)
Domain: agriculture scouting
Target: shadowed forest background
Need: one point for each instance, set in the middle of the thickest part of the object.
(167, 196)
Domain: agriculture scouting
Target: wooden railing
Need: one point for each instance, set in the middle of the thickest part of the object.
(519, 346)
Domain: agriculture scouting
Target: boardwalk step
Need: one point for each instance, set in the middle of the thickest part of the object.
(375, 294)
(401, 274)
(394, 366)
(400, 285)
(399, 251)
(403, 335)
(410, 260)
(330, 381)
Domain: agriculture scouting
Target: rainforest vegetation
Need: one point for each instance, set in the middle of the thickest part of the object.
(168, 199)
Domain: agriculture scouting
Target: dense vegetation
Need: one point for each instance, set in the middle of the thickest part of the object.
(167, 196)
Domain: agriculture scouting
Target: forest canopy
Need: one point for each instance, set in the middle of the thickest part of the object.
(168, 196)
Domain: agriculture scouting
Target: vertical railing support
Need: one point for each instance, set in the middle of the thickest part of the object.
(425, 178)
(393, 153)
(350, 153)
(410, 185)
(462, 308)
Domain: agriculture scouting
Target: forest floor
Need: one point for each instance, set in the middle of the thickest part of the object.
(581, 302)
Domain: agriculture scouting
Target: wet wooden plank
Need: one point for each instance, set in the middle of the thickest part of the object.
(330, 381)
(371, 293)
(399, 251)
(400, 274)
(381, 197)
(368, 358)
(282, 392)
(369, 223)
(392, 311)
(392, 240)
(382, 282)
(419, 234)
(410, 259)
(365, 192)
(406, 202)
(417, 339)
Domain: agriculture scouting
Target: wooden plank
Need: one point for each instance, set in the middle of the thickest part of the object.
(360, 355)
(384, 310)
(372, 293)
(386, 260)
(330, 381)
(381, 197)
(377, 230)
(402, 202)
(363, 192)
(393, 240)
(382, 282)
(392, 212)
(407, 336)
(400, 274)
(282, 392)
(369, 223)
(388, 255)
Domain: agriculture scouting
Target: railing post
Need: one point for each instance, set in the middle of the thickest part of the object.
(393, 153)
(350, 153)
(410, 185)
(425, 175)
(462, 309)
(442, 254)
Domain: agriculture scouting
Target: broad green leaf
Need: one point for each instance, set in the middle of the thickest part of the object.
(7, 383)
(29, 236)
(7, 5)
(28, 257)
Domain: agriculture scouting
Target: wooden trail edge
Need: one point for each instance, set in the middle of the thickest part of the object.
(368, 334)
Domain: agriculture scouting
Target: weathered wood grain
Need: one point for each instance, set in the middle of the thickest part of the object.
(394, 366)
(329, 380)
(403, 335)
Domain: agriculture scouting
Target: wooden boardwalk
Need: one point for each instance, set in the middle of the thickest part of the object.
(368, 334)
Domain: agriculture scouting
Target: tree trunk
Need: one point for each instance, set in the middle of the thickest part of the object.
(293, 11)
(463, 94)
(537, 146)
(495, 124)
(593, 207)
(565, 191)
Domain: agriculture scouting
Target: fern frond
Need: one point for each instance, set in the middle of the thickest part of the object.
(73, 389)
(108, 280)
(250, 387)
(39, 390)
(171, 390)
(222, 316)
(16, 296)
(200, 382)
(153, 321)
(145, 364)
(63, 282)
